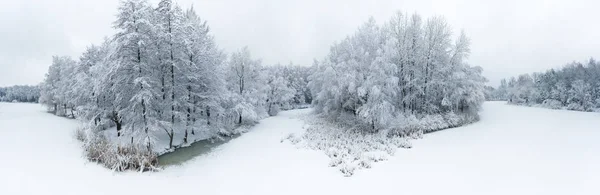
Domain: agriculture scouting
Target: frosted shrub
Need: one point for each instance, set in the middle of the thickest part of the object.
(365, 163)
(348, 169)
(96, 148)
(130, 157)
(414, 128)
(431, 123)
(453, 120)
(335, 161)
(551, 103)
(118, 157)
(404, 126)
(293, 138)
(575, 106)
(518, 100)
(80, 134)
(375, 156)
(274, 110)
(348, 147)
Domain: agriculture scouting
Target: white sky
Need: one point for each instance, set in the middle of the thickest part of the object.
(508, 37)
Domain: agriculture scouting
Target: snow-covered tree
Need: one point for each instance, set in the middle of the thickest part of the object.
(56, 89)
(383, 74)
(202, 71)
(247, 84)
(279, 92)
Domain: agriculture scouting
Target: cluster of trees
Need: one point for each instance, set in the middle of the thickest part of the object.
(297, 78)
(403, 68)
(490, 93)
(162, 74)
(576, 86)
(20, 93)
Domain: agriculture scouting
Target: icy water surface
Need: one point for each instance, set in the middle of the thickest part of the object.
(181, 155)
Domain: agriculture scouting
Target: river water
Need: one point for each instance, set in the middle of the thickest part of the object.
(181, 155)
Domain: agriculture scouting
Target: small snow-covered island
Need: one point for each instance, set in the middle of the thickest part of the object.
(405, 104)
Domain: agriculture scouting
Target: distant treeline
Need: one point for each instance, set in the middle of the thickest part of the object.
(20, 93)
(575, 86)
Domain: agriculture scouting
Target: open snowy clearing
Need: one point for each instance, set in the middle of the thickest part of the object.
(512, 150)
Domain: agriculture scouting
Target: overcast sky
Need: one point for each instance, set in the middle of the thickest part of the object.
(508, 37)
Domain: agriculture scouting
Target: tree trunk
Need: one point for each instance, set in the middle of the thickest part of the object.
(187, 126)
(425, 86)
(171, 139)
(118, 129)
(115, 119)
(185, 137)
(144, 117)
(194, 116)
(172, 95)
(162, 89)
(189, 112)
(207, 115)
(270, 105)
(373, 124)
(240, 120)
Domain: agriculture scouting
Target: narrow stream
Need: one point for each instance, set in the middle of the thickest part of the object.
(181, 155)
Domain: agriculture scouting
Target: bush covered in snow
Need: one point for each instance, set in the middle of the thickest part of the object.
(347, 148)
(575, 106)
(116, 156)
(351, 147)
(552, 104)
(80, 134)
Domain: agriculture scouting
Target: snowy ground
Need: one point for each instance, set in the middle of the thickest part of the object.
(513, 150)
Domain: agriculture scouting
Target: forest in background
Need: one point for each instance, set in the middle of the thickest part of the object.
(20, 93)
(576, 86)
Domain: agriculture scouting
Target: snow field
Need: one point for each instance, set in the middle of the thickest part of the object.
(512, 150)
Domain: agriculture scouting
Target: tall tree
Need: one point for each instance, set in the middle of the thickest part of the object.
(133, 70)
(246, 82)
